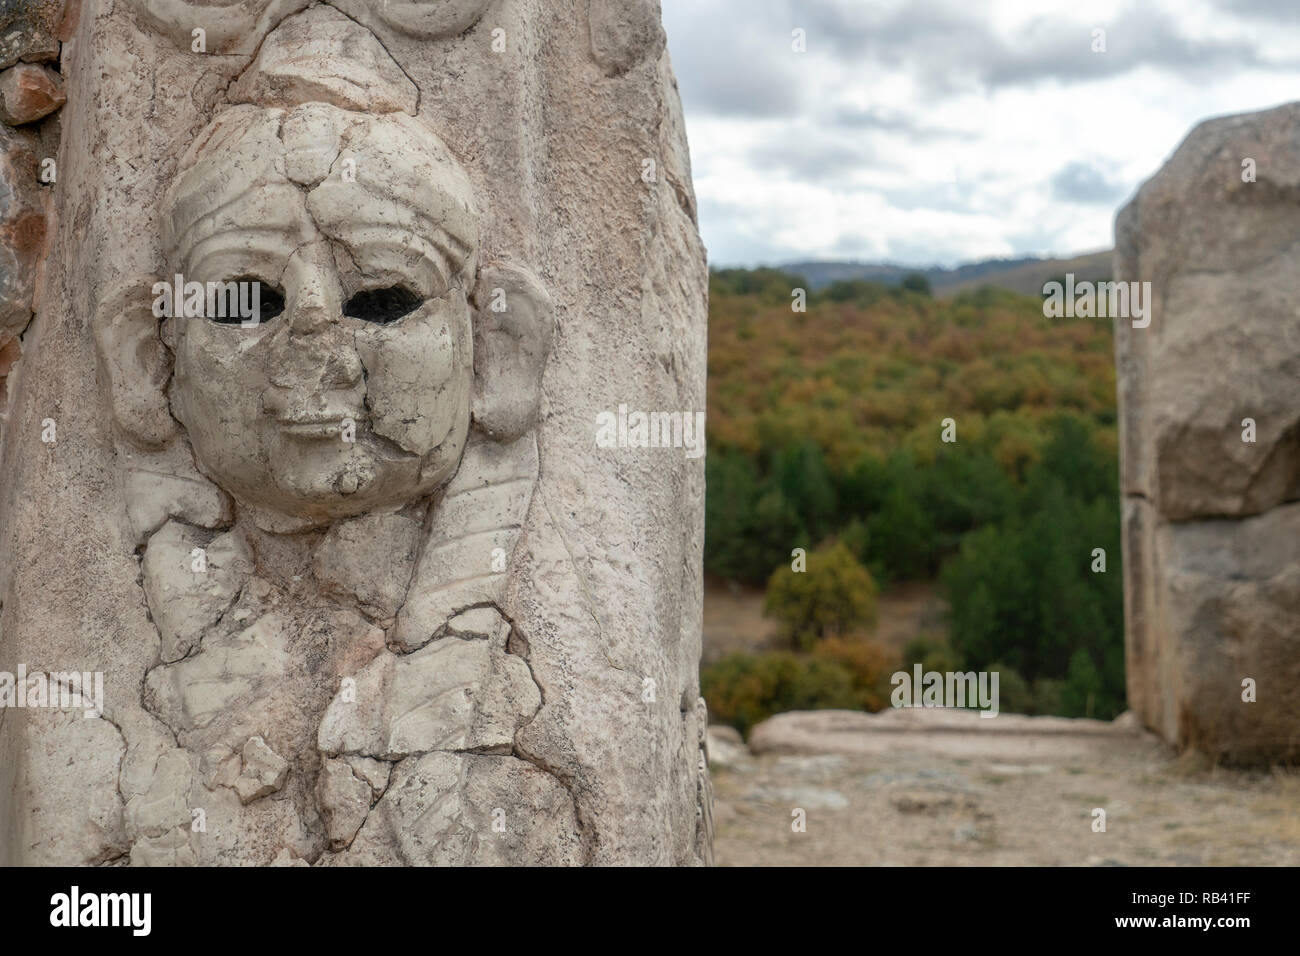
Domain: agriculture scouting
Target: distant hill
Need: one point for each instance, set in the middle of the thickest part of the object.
(1025, 275)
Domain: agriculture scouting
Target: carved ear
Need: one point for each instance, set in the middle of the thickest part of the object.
(133, 363)
(513, 327)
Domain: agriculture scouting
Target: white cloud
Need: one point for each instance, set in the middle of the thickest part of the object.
(917, 132)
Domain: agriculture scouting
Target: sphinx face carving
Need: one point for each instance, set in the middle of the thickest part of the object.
(353, 392)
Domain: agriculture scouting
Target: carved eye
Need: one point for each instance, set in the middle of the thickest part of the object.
(235, 302)
(382, 306)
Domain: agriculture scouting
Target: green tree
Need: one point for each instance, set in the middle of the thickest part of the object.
(749, 526)
(835, 595)
(1024, 592)
(916, 282)
(801, 476)
(902, 534)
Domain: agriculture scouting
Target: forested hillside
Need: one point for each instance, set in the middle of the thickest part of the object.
(825, 434)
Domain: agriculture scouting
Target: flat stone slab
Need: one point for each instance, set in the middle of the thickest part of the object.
(947, 731)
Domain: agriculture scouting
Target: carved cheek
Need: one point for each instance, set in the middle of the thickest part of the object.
(417, 377)
(220, 378)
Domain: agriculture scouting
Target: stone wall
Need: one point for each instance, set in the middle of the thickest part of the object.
(31, 92)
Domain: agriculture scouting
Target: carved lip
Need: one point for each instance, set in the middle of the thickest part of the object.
(316, 426)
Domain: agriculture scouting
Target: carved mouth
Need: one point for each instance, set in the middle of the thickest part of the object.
(319, 427)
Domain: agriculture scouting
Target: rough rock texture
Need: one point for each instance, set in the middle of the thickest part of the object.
(452, 694)
(371, 559)
(454, 809)
(283, 74)
(345, 801)
(190, 583)
(22, 228)
(435, 622)
(1211, 520)
(29, 31)
(29, 92)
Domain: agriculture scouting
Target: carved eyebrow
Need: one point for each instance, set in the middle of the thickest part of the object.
(394, 247)
(412, 215)
(269, 232)
(271, 246)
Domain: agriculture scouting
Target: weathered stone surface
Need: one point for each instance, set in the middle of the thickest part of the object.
(191, 693)
(29, 92)
(483, 510)
(454, 288)
(11, 351)
(345, 801)
(164, 806)
(1224, 612)
(624, 32)
(1223, 344)
(264, 771)
(22, 228)
(372, 771)
(229, 26)
(286, 858)
(190, 582)
(447, 809)
(1222, 348)
(484, 623)
(73, 757)
(296, 65)
(29, 31)
(453, 694)
(420, 18)
(171, 849)
(164, 484)
(371, 559)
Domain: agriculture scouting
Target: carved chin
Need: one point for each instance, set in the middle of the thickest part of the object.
(297, 481)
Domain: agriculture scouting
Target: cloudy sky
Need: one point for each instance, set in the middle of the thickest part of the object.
(943, 131)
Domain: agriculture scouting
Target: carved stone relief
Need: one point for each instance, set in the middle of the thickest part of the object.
(362, 597)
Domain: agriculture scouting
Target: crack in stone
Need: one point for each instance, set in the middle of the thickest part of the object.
(257, 50)
(418, 92)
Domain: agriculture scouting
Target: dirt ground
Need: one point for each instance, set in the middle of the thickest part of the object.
(932, 799)
(924, 796)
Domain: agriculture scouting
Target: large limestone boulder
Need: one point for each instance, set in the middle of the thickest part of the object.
(1210, 441)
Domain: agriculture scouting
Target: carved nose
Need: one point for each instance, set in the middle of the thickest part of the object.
(318, 364)
(342, 369)
(312, 310)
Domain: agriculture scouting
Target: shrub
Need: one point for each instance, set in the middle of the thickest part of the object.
(933, 653)
(744, 689)
(1014, 693)
(834, 595)
(870, 663)
(1047, 695)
